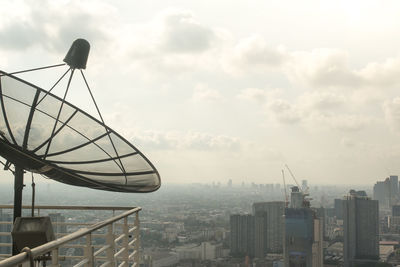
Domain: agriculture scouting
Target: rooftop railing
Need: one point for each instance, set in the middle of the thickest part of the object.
(111, 242)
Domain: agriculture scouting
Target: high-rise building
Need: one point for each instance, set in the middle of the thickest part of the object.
(318, 243)
(260, 234)
(303, 242)
(242, 235)
(274, 211)
(298, 237)
(382, 193)
(396, 210)
(394, 188)
(321, 215)
(339, 209)
(361, 229)
(395, 219)
(387, 192)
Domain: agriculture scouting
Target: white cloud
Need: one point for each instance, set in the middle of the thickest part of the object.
(172, 43)
(313, 109)
(284, 112)
(383, 74)
(54, 25)
(348, 122)
(261, 96)
(157, 140)
(391, 109)
(322, 68)
(204, 93)
(329, 68)
(321, 101)
(253, 54)
(181, 33)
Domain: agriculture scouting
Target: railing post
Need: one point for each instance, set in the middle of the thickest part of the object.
(54, 258)
(137, 236)
(125, 242)
(110, 239)
(88, 251)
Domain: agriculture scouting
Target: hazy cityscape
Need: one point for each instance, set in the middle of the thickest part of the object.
(242, 224)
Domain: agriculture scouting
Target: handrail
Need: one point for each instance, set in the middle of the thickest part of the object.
(48, 247)
(50, 207)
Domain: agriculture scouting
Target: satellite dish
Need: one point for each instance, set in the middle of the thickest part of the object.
(43, 133)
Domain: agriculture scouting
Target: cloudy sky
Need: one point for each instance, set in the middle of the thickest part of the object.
(218, 90)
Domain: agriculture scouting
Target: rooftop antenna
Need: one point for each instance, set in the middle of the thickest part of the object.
(43, 133)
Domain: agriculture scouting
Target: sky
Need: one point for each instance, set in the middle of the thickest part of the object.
(217, 90)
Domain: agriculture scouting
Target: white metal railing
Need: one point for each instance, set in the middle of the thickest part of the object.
(120, 247)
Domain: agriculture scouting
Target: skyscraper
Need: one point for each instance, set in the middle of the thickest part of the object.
(382, 193)
(361, 228)
(339, 209)
(396, 210)
(242, 235)
(303, 233)
(395, 219)
(298, 237)
(394, 189)
(260, 234)
(274, 211)
(387, 192)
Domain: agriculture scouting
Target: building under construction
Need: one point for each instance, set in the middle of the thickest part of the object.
(303, 242)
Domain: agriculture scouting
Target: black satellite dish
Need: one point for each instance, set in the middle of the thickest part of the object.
(42, 133)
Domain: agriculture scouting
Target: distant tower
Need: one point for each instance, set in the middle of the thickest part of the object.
(361, 229)
(387, 192)
(303, 242)
(382, 193)
(394, 189)
(304, 185)
(229, 183)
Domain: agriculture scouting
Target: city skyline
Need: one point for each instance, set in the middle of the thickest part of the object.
(211, 93)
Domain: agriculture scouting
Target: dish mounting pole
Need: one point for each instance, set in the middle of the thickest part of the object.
(18, 186)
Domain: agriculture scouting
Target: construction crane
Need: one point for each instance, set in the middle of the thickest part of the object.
(294, 178)
(284, 186)
(306, 201)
